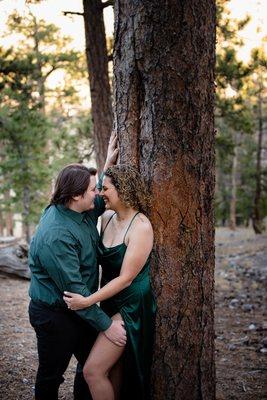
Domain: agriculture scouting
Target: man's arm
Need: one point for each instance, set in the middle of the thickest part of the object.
(60, 259)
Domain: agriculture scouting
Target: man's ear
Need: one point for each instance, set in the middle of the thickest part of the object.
(76, 198)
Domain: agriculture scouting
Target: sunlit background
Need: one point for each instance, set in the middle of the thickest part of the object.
(67, 104)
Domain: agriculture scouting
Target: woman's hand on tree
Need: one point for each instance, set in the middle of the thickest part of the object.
(113, 151)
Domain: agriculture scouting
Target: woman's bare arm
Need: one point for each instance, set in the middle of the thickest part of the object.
(138, 249)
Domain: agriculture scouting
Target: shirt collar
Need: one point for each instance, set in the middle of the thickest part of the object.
(74, 215)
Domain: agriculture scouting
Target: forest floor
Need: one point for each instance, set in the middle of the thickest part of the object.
(241, 333)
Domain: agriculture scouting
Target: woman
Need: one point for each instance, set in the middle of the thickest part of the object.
(125, 245)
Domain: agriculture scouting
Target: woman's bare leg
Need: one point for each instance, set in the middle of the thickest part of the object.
(115, 377)
(103, 356)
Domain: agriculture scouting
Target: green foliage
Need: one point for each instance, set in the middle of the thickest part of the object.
(41, 128)
(24, 133)
(236, 115)
(73, 142)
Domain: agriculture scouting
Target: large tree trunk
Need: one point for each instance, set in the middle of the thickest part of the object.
(97, 61)
(256, 216)
(164, 98)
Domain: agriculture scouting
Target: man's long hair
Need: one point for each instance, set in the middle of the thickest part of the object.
(73, 180)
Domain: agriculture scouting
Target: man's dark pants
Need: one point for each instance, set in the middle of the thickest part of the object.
(60, 334)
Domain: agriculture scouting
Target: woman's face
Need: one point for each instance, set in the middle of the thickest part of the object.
(109, 194)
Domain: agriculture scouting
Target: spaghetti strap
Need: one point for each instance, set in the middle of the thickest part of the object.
(102, 232)
(129, 225)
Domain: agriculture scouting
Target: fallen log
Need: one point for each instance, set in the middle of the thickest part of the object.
(14, 261)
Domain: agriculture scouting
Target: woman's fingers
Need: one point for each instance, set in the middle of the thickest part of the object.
(113, 139)
(74, 301)
(69, 294)
(69, 303)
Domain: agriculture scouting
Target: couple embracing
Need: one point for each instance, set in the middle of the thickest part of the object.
(110, 330)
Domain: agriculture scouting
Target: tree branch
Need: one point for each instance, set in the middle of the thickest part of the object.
(107, 4)
(50, 71)
(65, 13)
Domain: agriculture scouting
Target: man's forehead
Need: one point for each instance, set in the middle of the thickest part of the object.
(92, 182)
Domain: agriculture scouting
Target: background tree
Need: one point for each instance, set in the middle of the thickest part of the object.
(97, 56)
(97, 62)
(258, 89)
(33, 116)
(164, 87)
(233, 116)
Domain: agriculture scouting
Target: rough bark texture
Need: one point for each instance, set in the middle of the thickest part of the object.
(97, 61)
(164, 97)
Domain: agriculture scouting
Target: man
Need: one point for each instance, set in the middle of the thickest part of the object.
(63, 256)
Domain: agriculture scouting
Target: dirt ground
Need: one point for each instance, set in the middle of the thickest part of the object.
(241, 325)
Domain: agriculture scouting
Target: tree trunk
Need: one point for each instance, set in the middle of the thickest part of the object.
(256, 216)
(232, 224)
(38, 67)
(97, 62)
(9, 223)
(164, 99)
(26, 213)
(8, 216)
(1, 224)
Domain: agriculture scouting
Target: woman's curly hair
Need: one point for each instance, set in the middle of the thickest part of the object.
(130, 185)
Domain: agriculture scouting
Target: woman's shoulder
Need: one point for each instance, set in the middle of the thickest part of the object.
(141, 230)
(106, 216)
(143, 223)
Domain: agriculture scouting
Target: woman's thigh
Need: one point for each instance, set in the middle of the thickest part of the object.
(86, 337)
(104, 353)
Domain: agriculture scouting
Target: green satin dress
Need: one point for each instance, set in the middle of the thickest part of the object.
(137, 306)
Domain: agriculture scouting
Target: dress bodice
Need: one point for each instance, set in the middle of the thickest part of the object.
(111, 259)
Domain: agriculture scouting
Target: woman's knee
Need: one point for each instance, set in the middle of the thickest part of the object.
(93, 372)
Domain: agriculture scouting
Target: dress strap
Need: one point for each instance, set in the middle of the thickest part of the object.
(107, 224)
(129, 225)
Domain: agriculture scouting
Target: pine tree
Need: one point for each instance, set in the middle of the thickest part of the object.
(233, 114)
(27, 116)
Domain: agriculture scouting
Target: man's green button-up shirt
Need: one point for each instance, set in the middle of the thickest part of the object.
(63, 256)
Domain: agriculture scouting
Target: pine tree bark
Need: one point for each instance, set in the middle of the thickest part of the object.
(164, 98)
(97, 62)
